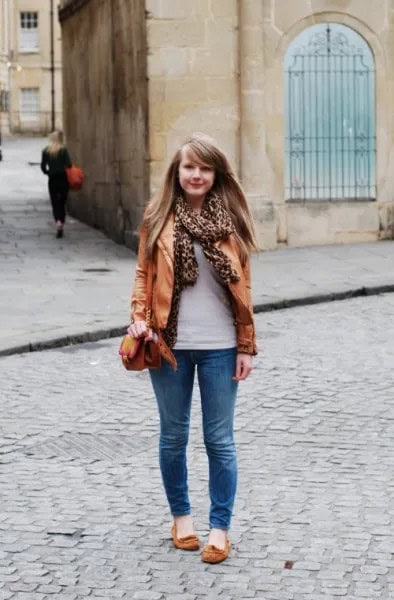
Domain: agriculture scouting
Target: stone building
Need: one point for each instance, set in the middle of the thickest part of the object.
(30, 66)
(299, 94)
(4, 60)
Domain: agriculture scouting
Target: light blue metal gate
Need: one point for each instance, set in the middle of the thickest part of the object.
(330, 116)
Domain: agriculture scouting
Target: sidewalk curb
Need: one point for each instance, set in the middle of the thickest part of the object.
(102, 334)
(321, 298)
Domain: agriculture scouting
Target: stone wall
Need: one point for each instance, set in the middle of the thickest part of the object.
(193, 65)
(105, 99)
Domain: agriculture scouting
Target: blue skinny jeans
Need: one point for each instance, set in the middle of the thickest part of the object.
(173, 391)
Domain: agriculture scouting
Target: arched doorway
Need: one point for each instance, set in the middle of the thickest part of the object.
(330, 116)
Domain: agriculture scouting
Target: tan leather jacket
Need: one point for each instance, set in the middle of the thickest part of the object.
(163, 282)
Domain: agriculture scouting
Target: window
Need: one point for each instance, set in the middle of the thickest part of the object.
(29, 104)
(28, 32)
(4, 100)
(330, 115)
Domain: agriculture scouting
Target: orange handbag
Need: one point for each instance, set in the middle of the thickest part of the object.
(136, 354)
(75, 177)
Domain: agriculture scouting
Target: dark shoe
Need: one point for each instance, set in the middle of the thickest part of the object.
(212, 554)
(59, 233)
(190, 542)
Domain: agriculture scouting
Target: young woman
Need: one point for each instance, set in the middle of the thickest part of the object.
(55, 159)
(197, 234)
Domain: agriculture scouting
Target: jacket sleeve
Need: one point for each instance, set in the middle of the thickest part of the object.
(138, 297)
(67, 159)
(44, 163)
(246, 335)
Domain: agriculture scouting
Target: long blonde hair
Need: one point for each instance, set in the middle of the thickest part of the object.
(55, 140)
(225, 185)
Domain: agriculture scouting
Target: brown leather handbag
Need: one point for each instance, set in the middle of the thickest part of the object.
(136, 354)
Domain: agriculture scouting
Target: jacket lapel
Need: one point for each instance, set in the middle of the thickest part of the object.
(238, 288)
(165, 241)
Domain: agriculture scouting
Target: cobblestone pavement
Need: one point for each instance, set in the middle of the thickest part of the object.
(82, 511)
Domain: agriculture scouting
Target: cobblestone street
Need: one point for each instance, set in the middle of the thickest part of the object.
(82, 510)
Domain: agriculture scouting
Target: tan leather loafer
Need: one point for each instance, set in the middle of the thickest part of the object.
(190, 542)
(212, 554)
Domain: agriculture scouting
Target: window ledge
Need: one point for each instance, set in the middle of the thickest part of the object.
(329, 200)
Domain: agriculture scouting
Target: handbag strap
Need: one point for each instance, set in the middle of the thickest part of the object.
(149, 290)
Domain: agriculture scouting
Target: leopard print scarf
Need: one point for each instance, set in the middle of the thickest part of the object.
(212, 224)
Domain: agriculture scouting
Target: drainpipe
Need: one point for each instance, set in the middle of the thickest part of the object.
(239, 83)
(53, 120)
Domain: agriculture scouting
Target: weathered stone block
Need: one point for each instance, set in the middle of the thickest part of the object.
(374, 19)
(284, 16)
(253, 76)
(157, 148)
(252, 12)
(264, 222)
(355, 237)
(153, 7)
(386, 221)
(218, 88)
(201, 9)
(173, 9)
(253, 102)
(224, 8)
(331, 222)
(192, 91)
(222, 33)
(175, 34)
(207, 63)
(169, 62)
(355, 216)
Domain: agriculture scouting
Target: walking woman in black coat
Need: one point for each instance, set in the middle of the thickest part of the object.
(54, 161)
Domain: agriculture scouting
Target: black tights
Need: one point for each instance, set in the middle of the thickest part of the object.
(58, 191)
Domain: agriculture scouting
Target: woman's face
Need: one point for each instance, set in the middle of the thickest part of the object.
(195, 177)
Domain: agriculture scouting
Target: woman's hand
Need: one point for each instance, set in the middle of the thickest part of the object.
(243, 366)
(138, 329)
